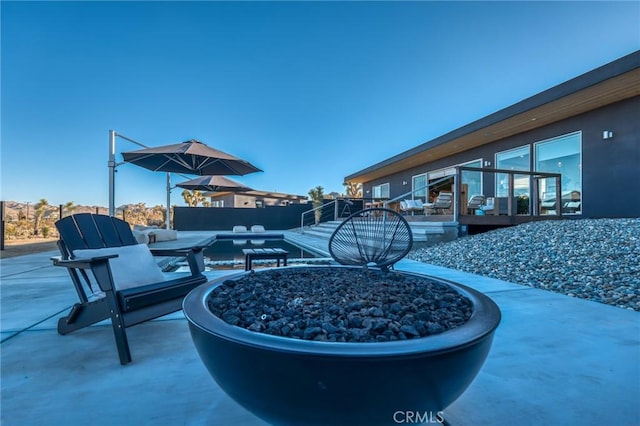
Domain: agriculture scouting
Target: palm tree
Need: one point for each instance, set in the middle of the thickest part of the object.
(69, 207)
(156, 216)
(143, 213)
(353, 189)
(40, 207)
(193, 198)
(317, 199)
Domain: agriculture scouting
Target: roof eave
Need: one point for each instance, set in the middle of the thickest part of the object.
(610, 71)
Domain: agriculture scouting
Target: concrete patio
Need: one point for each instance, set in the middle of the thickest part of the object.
(555, 360)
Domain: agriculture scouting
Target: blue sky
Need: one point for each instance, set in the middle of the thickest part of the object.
(308, 91)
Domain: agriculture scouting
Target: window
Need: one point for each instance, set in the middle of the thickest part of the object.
(514, 159)
(419, 183)
(217, 203)
(562, 155)
(473, 180)
(381, 191)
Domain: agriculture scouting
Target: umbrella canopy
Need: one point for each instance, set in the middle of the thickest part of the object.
(190, 157)
(214, 184)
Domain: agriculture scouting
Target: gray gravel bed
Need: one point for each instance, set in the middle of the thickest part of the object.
(594, 259)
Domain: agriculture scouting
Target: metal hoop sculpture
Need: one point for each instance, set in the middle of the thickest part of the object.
(378, 236)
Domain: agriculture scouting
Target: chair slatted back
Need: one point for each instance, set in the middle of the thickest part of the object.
(70, 236)
(376, 235)
(124, 231)
(89, 231)
(107, 230)
(443, 201)
(92, 231)
(476, 202)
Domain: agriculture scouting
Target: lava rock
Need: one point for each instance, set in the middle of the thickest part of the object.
(340, 304)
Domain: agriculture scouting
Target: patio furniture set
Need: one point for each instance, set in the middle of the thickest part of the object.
(127, 287)
(442, 203)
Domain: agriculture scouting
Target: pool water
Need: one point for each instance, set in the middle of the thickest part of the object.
(227, 254)
(225, 250)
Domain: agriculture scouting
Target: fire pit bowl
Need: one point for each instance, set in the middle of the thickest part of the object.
(290, 381)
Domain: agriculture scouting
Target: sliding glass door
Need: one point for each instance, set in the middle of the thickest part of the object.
(561, 155)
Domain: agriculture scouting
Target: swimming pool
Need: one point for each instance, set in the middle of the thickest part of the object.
(226, 253)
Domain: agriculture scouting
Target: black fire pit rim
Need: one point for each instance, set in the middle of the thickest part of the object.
(484, 320)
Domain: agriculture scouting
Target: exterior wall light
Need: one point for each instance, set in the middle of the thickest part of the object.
(607, 134)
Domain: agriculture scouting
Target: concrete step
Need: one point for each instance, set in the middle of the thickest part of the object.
(319, 234)
(422, 231)
(322, 230)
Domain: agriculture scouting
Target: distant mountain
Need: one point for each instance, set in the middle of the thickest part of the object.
(12, 210)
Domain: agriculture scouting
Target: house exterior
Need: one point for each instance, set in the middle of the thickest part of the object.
(586, 130)
(253, 199)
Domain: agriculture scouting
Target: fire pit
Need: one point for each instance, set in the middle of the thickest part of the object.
(338, 345)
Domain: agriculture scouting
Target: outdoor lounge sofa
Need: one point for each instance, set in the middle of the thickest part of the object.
(153, 234)
(411, 206)
(126, 285)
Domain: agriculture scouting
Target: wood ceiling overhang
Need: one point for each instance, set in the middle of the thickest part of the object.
(516, 119)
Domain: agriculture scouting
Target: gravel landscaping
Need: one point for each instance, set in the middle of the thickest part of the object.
(339, 305)
(594, 259)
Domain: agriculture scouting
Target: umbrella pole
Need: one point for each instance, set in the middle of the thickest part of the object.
(112, 172)
(168, 221)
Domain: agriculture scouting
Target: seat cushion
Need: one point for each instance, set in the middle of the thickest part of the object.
(140, 236)
(133, 267)
(164, 234)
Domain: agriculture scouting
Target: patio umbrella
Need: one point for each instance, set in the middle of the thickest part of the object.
(214, 184)
(190, 157)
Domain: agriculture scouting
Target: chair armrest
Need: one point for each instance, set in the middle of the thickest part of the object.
(82, 262)
(181, 251)
(99, 266)
(194, 255)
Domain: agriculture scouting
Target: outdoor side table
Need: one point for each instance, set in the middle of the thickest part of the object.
(264, 253)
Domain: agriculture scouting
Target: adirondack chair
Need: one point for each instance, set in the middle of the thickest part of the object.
(126, 284)
(371, 236)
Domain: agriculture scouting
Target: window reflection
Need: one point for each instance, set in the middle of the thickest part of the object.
(472, 179)
(561, 155)
(514, 159)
